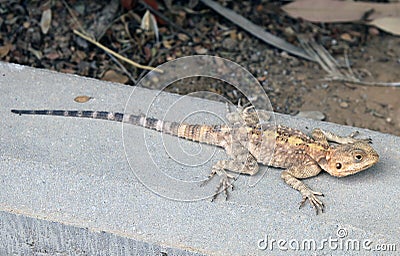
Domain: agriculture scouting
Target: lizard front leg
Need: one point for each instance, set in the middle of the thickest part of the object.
(291, 177)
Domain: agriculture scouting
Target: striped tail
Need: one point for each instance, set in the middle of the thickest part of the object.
(200, 133)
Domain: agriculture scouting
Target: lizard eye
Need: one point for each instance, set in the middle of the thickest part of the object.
(338, 166)
(358, 157)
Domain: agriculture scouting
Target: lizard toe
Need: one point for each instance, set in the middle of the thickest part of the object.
(224, 184)
(315, 202)
(210, 177)
(353, 136)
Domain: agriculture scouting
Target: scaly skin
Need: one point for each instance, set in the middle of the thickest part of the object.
(247, 142)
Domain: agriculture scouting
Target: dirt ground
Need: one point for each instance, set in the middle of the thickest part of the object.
(292, 84)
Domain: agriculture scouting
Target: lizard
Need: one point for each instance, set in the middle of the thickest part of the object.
(248, 143)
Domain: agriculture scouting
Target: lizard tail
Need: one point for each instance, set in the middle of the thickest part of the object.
(195, 132)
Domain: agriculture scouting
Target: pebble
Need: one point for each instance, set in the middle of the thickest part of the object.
(324, 86)
(344, 104)
(346, 37)
(288, 31)
(229, 44)
(373, 31)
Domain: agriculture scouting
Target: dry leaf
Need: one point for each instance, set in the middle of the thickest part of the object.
(339, 11)
(78, 56)
(388, 24)
(149, 23)
(183, 37)
(38, 54)
(167, 43)
(112, 76)
(45, 21)
(53, 55)
(82, 99)
(4, 50)
(200, 50)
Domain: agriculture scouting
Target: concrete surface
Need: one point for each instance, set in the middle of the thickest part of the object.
(72, 186)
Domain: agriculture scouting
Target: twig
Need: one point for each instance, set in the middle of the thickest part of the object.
(329, 64)
(356, 81)
(347, 62)
(127, 31)
(312, 51)
(109, 54)
(114, 53)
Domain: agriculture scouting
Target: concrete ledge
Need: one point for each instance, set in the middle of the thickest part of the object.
(67, 187)
(22, 235)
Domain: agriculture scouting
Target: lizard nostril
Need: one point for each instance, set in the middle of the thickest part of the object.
(358, 157)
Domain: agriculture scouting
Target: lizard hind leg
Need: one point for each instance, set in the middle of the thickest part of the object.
(247, 115)
(242, 164)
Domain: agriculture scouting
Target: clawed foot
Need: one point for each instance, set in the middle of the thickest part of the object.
(313, 199)
(356, 133)
(247, 115)
(224, 184)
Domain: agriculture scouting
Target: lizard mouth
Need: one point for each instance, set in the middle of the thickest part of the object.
(354, 171)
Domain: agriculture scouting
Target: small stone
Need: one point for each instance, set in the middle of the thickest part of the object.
(301, 77)
(294, 62)
(346, 37)
(373, 31)
(26, 24)
(229, 43)
(289, 31)
(255, 57)
(344, 104)
(285, 55)
(200, 50)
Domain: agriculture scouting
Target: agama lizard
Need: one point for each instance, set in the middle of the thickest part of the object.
(248, 142)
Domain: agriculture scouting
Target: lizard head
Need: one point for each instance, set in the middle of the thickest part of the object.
(346, 159)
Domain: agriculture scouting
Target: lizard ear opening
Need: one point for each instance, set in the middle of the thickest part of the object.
(322, 161)
(338, 166)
